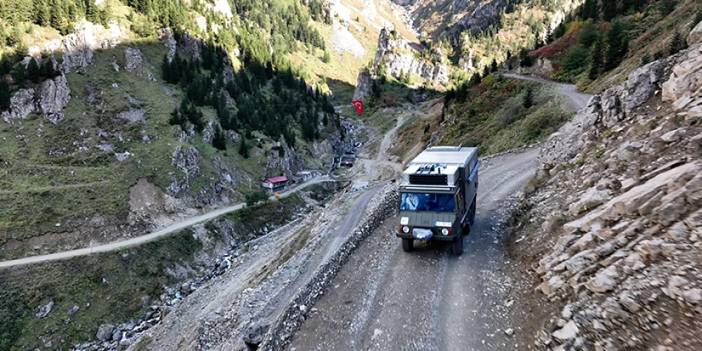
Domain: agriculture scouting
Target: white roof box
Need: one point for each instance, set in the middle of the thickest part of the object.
(446, 155)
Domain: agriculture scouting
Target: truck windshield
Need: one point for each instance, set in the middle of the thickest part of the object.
(427, 202)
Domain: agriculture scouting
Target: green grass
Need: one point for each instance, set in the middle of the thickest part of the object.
(40, 167)
(108, 288)
(493, 117)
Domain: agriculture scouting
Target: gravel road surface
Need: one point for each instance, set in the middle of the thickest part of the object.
(386, 299)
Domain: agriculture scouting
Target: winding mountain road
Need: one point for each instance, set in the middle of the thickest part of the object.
(384, 298)
(387, 299)
(577, 99)
(139, 240)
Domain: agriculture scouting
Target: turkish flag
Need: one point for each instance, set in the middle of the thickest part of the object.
(358, 105)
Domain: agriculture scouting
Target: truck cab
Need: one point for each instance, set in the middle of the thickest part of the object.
(438, 196)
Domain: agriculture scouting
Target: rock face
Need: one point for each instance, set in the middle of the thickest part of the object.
(21, 105)
(78, 47)
(607, 110)
(396, 57)
(364, 85)
(624, 182)
(50, 98)
(186, 159)
(456, 16)
(53, 96)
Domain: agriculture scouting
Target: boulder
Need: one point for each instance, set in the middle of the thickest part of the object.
(21, 105)
(104, 332)
(641, 84)
(605, 280)
(693, 296)
(567, 333)
(132, 115)
(44, 310)
(53, 96)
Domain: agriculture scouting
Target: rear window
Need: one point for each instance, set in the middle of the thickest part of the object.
(419, 202)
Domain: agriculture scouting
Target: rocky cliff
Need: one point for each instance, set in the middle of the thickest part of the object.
(613, 227)
(402, 60)
(449, 17)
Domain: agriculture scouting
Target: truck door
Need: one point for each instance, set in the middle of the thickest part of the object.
(472, 180)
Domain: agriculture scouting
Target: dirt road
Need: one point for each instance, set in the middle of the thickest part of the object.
(386, 299)
(577, 99)
(122, 244)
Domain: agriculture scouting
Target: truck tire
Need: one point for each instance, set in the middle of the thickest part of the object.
(457, 246)
(407, 245)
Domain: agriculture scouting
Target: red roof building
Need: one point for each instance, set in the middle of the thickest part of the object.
(275, 183)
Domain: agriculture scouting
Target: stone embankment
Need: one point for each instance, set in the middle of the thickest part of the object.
(280, 333)
(616, 220)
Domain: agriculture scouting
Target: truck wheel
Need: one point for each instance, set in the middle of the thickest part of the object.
(407, 245)
(473, 209)
(457, 246)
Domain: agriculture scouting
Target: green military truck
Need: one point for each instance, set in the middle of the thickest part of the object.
(438, 196)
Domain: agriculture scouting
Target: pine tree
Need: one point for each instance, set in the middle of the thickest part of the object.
(589, 10)
(33, 71)
(617, 45)
(42, 13)
(597, 63)
(528, 98)
(244, 147)
(609, 9)
(48, 71)
(219, 140)
(4, 95)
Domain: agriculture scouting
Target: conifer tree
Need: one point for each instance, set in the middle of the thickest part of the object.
(244, 147)
(597, 64)
(617, 45)
(4, 95)
(33, 71)
(219, 140)
(609, 9)
(528, 98)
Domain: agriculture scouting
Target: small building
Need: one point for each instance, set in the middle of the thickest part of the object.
(275, 184)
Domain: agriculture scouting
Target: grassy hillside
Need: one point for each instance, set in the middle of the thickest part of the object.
(499, 114)
(231, 104)
(120, 286)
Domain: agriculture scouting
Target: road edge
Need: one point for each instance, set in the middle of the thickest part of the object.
(286, 325)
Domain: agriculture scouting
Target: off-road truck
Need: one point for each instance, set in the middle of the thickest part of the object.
(438, 196)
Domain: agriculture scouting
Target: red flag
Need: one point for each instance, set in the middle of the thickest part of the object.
(358, 105)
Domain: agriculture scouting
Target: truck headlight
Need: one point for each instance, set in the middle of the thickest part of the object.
(405, 229)
(445, 231)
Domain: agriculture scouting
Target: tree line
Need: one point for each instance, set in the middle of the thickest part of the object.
(257, 98)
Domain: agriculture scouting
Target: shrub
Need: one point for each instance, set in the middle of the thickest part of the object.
(255, 197)
(511, 111)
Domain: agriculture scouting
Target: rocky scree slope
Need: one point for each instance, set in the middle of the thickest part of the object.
(613, 223)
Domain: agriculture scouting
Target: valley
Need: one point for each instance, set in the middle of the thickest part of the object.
(139, 139)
